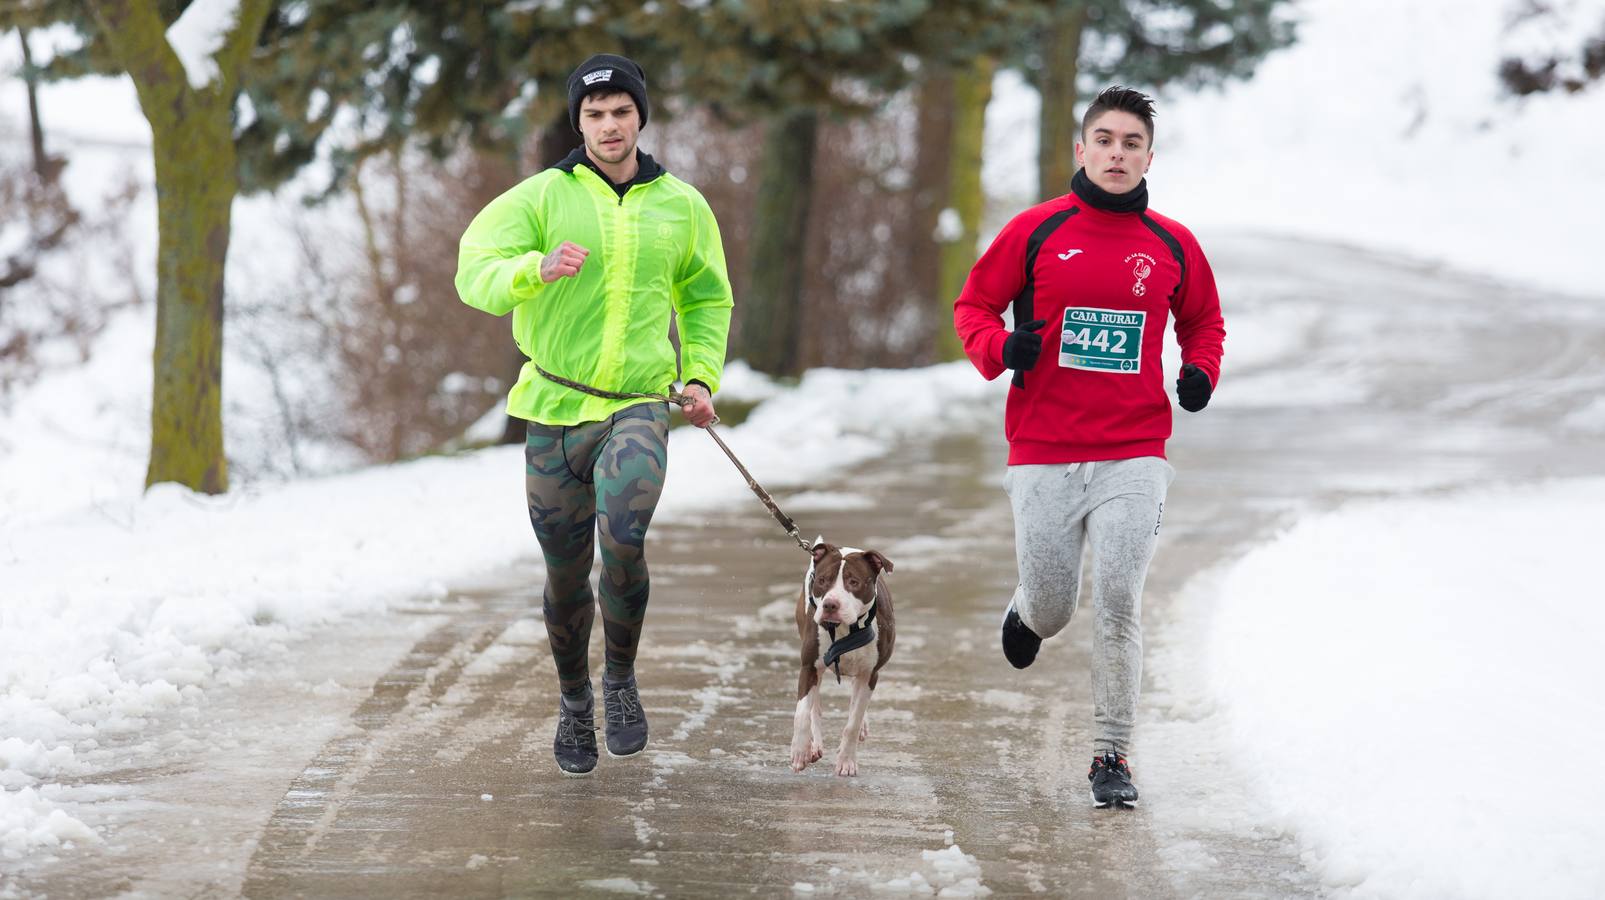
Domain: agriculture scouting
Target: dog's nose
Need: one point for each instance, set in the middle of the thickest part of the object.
(832, 605)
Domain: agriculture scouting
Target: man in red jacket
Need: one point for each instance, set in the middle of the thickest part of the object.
(1099, 275)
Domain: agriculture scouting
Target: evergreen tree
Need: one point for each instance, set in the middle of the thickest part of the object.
(296, 80)
(438, 74)
(1148, 43)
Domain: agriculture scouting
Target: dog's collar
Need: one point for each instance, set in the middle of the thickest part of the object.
(859, 633)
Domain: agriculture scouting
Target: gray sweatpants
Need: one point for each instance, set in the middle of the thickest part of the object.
(1115, 507)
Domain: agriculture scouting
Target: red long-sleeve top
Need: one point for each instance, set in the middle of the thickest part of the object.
(1107, 282)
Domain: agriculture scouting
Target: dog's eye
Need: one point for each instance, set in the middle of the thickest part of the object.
(852, 583)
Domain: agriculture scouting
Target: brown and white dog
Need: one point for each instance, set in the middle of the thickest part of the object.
(844, 617)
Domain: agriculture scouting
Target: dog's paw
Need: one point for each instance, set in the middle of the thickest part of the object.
(816, 752)
(802, 755)
(846, 764)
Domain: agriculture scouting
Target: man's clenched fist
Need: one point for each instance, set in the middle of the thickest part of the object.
(563, 262)
(1023, 346)
(1193, 388)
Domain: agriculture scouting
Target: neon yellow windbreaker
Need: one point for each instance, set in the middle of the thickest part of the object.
(653, 251)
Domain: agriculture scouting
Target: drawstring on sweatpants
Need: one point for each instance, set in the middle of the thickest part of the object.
(1086, 473)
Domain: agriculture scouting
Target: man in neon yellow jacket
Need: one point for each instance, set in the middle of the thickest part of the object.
(591, 257)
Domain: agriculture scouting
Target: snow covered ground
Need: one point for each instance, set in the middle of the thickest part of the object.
(1417, 644)
(1415, 685)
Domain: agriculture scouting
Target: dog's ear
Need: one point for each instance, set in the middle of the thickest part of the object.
(821, 549)
(878, 561)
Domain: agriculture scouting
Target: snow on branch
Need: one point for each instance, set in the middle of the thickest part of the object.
(199, 34)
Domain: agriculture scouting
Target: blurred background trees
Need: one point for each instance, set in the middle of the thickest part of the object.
(838, 142)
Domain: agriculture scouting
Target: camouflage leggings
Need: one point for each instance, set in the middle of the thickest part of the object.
(582, 480)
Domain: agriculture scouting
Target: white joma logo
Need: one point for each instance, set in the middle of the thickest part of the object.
(1068, 253)
(599, 75)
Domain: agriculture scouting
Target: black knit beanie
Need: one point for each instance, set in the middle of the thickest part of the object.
(606, 70)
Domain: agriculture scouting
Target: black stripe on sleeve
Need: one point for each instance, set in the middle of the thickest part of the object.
(1024, 301)
(1175, 249)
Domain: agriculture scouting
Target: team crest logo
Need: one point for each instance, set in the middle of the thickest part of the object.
(591, 78)
(1140, 271)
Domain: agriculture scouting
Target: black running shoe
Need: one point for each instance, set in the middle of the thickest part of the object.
(575, 744)
(1020, 644)
(626, 721)
(1111, 782)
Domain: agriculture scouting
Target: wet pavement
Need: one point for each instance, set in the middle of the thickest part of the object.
(1381, 377)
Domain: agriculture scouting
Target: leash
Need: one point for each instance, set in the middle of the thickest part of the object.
(681, 400)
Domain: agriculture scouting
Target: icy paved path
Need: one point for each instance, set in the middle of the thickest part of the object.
(1372, 377)
(1381, 377)
(959, 742)
(391, 805)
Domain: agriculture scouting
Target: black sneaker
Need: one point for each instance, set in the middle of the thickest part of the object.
(1020, 644)
(1111, 782)
(575, 744)
(626, 721)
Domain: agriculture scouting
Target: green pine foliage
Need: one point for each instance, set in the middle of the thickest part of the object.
(357, 77)
(1195, 42)
(757, 58)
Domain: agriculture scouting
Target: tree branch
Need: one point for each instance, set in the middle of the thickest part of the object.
(236, 52)
(137, 36)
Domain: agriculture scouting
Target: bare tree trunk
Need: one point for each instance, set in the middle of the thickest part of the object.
(1061, 52)
(932, 177)
(557, 139)
(196, 180)
(380, 276)
(972, 91)
(30, 77)
(772, 316)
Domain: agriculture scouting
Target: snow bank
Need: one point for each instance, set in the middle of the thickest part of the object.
(1415, 687)
(29, 821)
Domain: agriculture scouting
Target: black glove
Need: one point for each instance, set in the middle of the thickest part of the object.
(1021, 349)
(1193, 388)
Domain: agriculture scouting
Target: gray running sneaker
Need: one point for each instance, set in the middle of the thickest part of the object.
(626, 720)
(575, 744)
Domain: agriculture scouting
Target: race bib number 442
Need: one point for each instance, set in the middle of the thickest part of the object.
(1102, 340)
